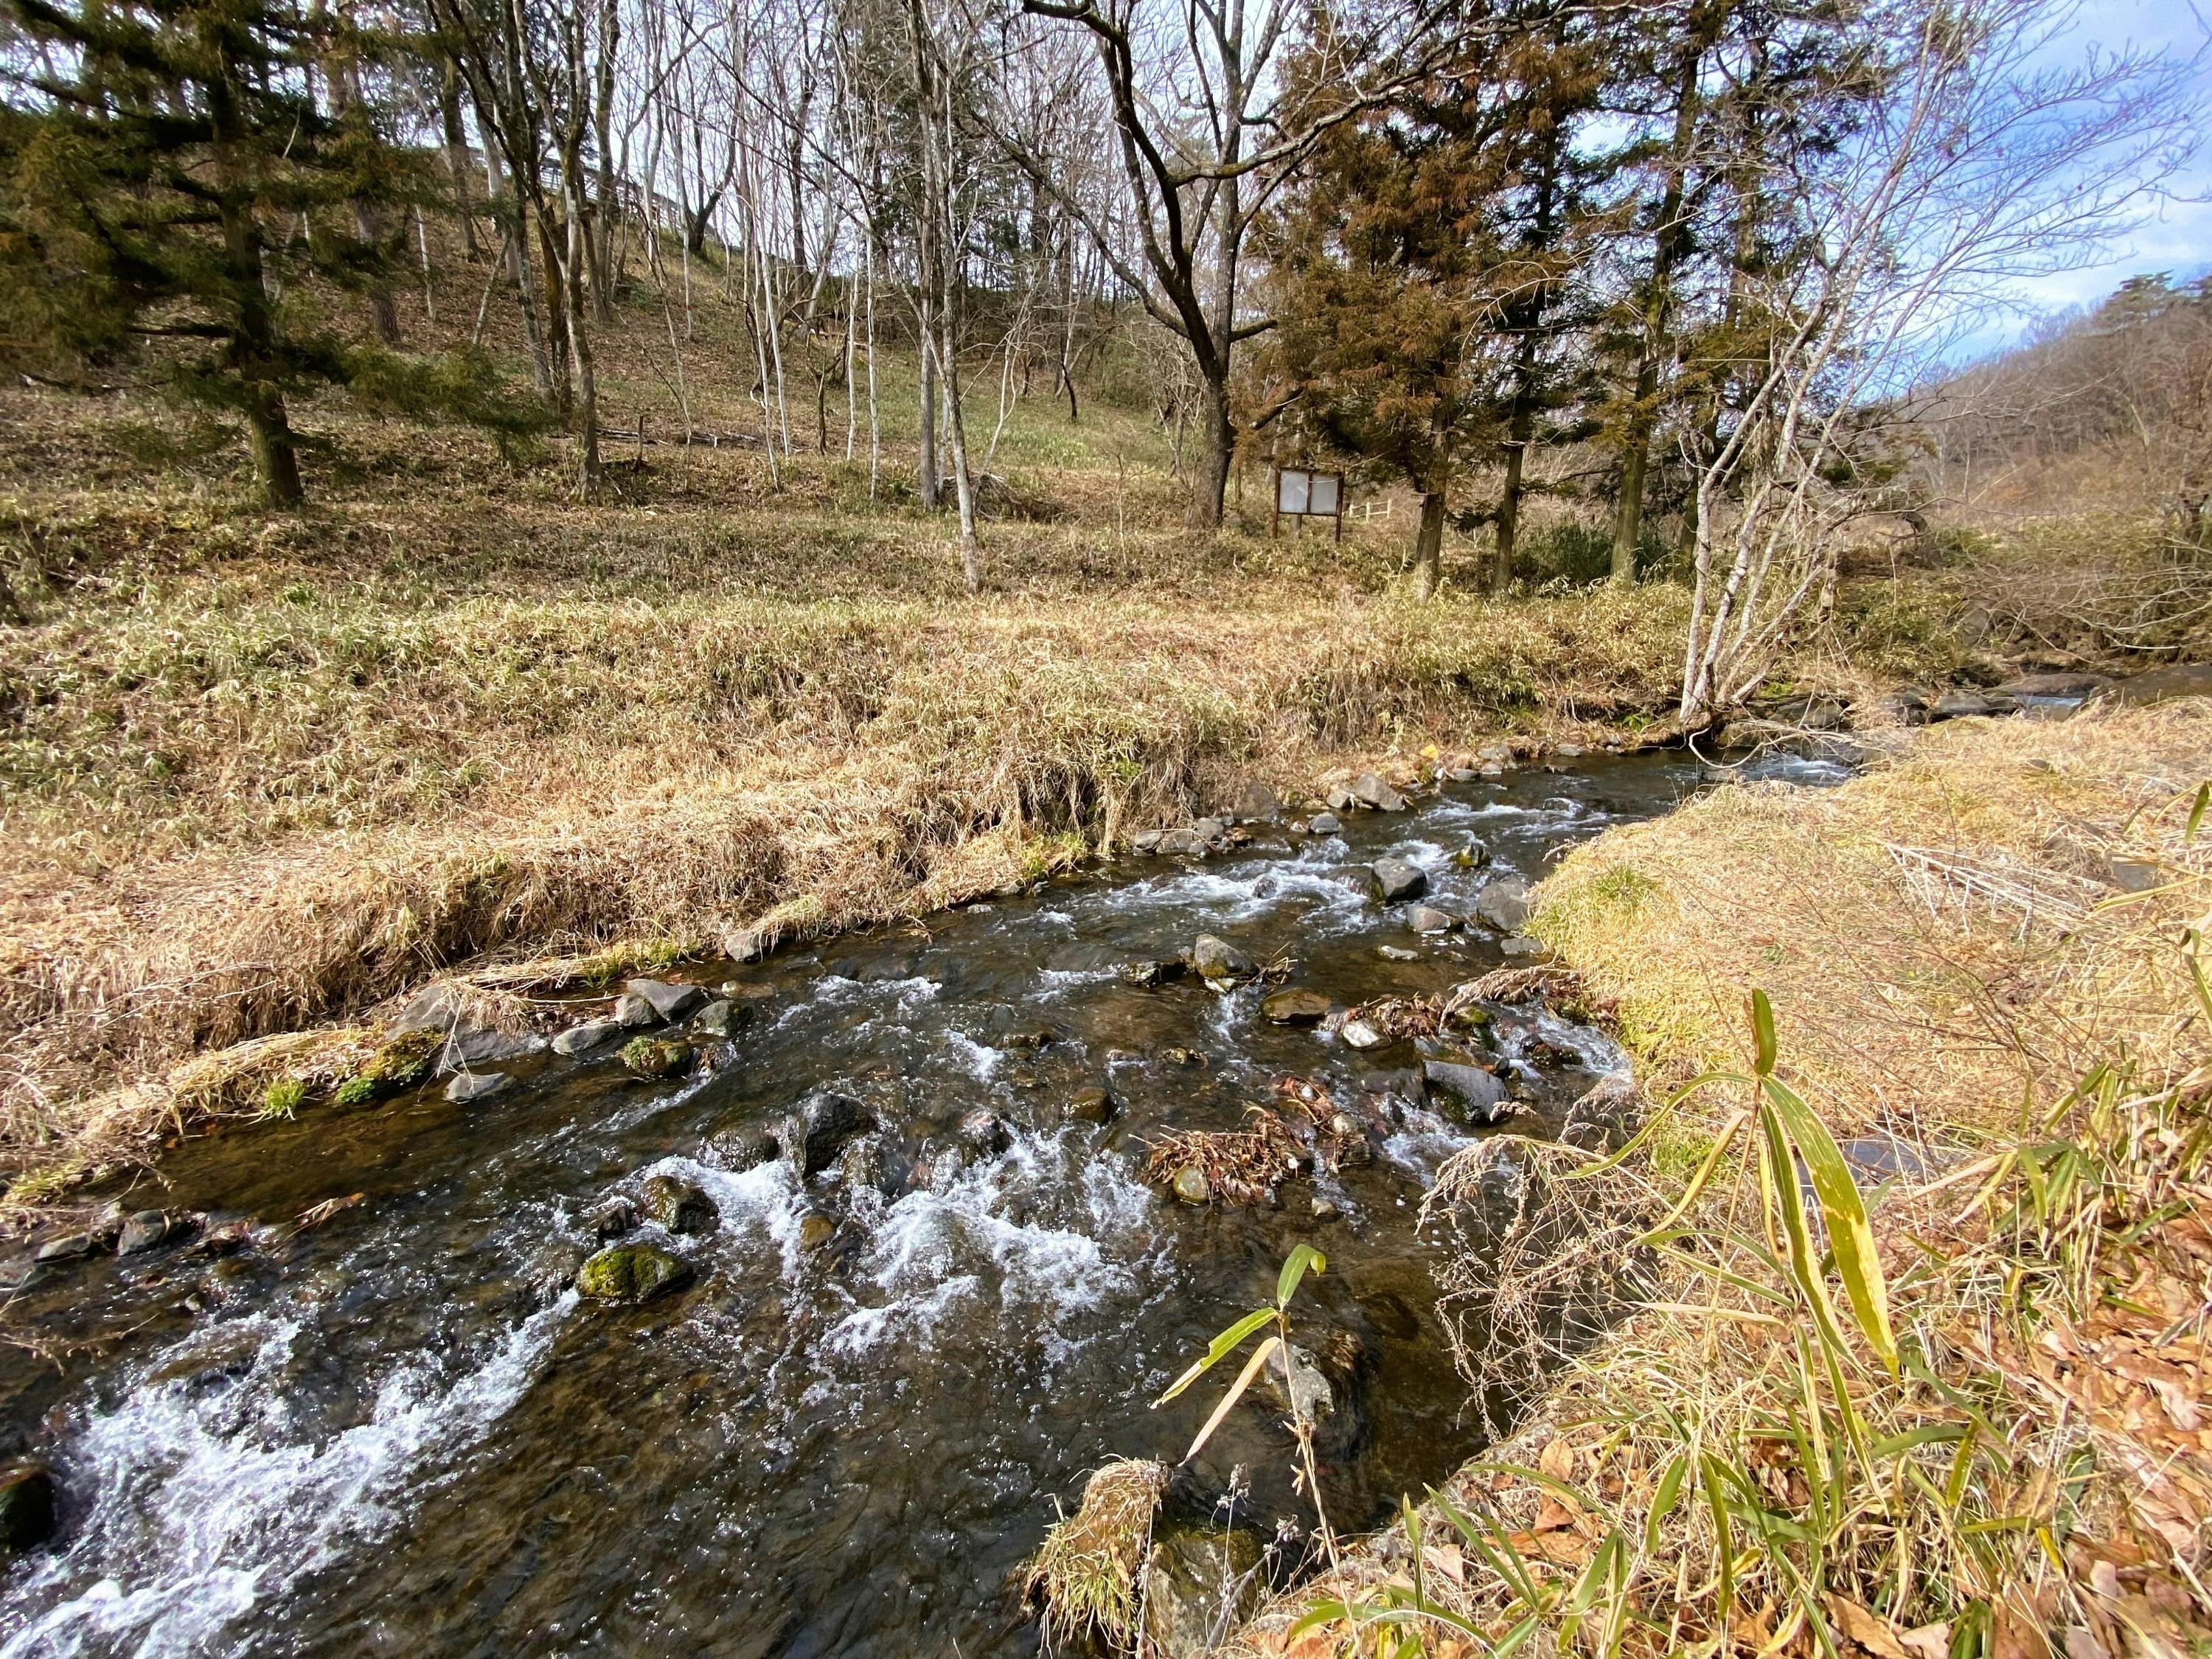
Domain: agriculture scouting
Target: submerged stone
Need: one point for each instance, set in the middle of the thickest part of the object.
(1199, 1583)
(1358, 1034)
(1477, 1093)
(815, 1229)
(656, 1057)
(1427, 918)
(465, 1088)
(1295, 1007)
(1323, 823)
(1216, 959)
(716, 1018)
(26, 1507)
(1190, 1185)
(984, 1133)
(144, 1231)
(680, 1206)
(1090, 1106)
(632, 1274)
(817, 1128)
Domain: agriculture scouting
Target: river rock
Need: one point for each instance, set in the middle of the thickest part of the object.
(1211, 831)
(656, 1057)
(1257, 803)
(1182, 844)
(738, 1147)
(816, 1230)
(1398, 879)
(984, 1133)
(1340, 799)
(26, 1507)
(1602, 1120)
(716, 1018)
(1147, 842)
(680, 1206)
(671, 1002)
(70, 1247)
(1477, 1093)
(1091, 1106)
(1190, 1185)
(145, 1229)
(1200, 1585)
(1396, 953)
(1963, 704)
(1519, 945)
(817, 1127)
(613, 1219)
(466, 1088)
(2179, 679)
(581, 1039)
(1369, 790)
(632, 1011)
(1295, 1007)
(1358, 1034)
(1326, 1208)
(1218, 961)
(1153, 975)
(1494, 754)
(1323, 823)
(632, 1274)
(1427, 918)
(1504, 903)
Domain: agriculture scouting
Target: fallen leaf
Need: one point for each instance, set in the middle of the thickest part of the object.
(1866, 1627)
(1928, 1640)
(1557, 1459)
(1445, 1560)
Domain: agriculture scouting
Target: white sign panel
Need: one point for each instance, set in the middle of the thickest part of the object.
(1293, 490)
(1322, 496)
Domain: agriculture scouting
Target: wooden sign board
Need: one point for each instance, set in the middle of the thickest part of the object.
(1305, 493)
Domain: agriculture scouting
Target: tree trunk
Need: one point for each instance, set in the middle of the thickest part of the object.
(1509, 509)
(1429, 545)
(1628, 518)
(457, 153)
(1218, 448)
(929, 479)
(275, 461)
(971, 558)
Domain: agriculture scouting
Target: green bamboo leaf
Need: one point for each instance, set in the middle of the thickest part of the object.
(1224, 1344)
(1785, 1201)
(1301, 1257)
(1762, 1032)
(1697, 1181)
(1723, 1535)
(2196, 811)
(1850, 1236)
(1663, 1500)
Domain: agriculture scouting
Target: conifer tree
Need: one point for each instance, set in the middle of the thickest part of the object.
(174, 190)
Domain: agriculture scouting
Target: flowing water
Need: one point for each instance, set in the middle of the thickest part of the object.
(399, 1432)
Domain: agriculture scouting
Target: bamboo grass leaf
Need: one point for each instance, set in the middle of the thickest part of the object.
(1222, 1346)
(1236, 1392)
(1301, 1257)
(1851, 1236)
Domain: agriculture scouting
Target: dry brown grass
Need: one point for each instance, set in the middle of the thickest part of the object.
(1951, 961)
(1087, 1581)
(1943, 938)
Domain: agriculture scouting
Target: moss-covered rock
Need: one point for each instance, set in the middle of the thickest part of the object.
(632, 1274)
(400, 1064)
(656, 1056)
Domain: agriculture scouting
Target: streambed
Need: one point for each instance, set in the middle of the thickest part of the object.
(400, 1432)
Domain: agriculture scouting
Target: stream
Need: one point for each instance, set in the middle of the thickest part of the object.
(400, 1432)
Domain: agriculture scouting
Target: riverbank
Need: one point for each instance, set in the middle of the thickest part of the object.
(267, 771)
(1983, 961)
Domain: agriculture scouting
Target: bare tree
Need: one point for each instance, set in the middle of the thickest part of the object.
(1983, 161)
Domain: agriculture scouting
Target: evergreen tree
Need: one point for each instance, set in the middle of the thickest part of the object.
(1419, 272)
(172, 191)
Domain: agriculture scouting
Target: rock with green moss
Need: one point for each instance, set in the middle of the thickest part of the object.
(632, 1274)
(681, 1207)
(656, 1056)
(400, 1064)
(1197, 1584)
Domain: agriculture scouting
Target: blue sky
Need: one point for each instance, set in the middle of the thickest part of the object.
(2176, 235)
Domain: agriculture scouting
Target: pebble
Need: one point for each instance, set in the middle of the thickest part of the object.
(468, 1087)
(1190, 1186)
